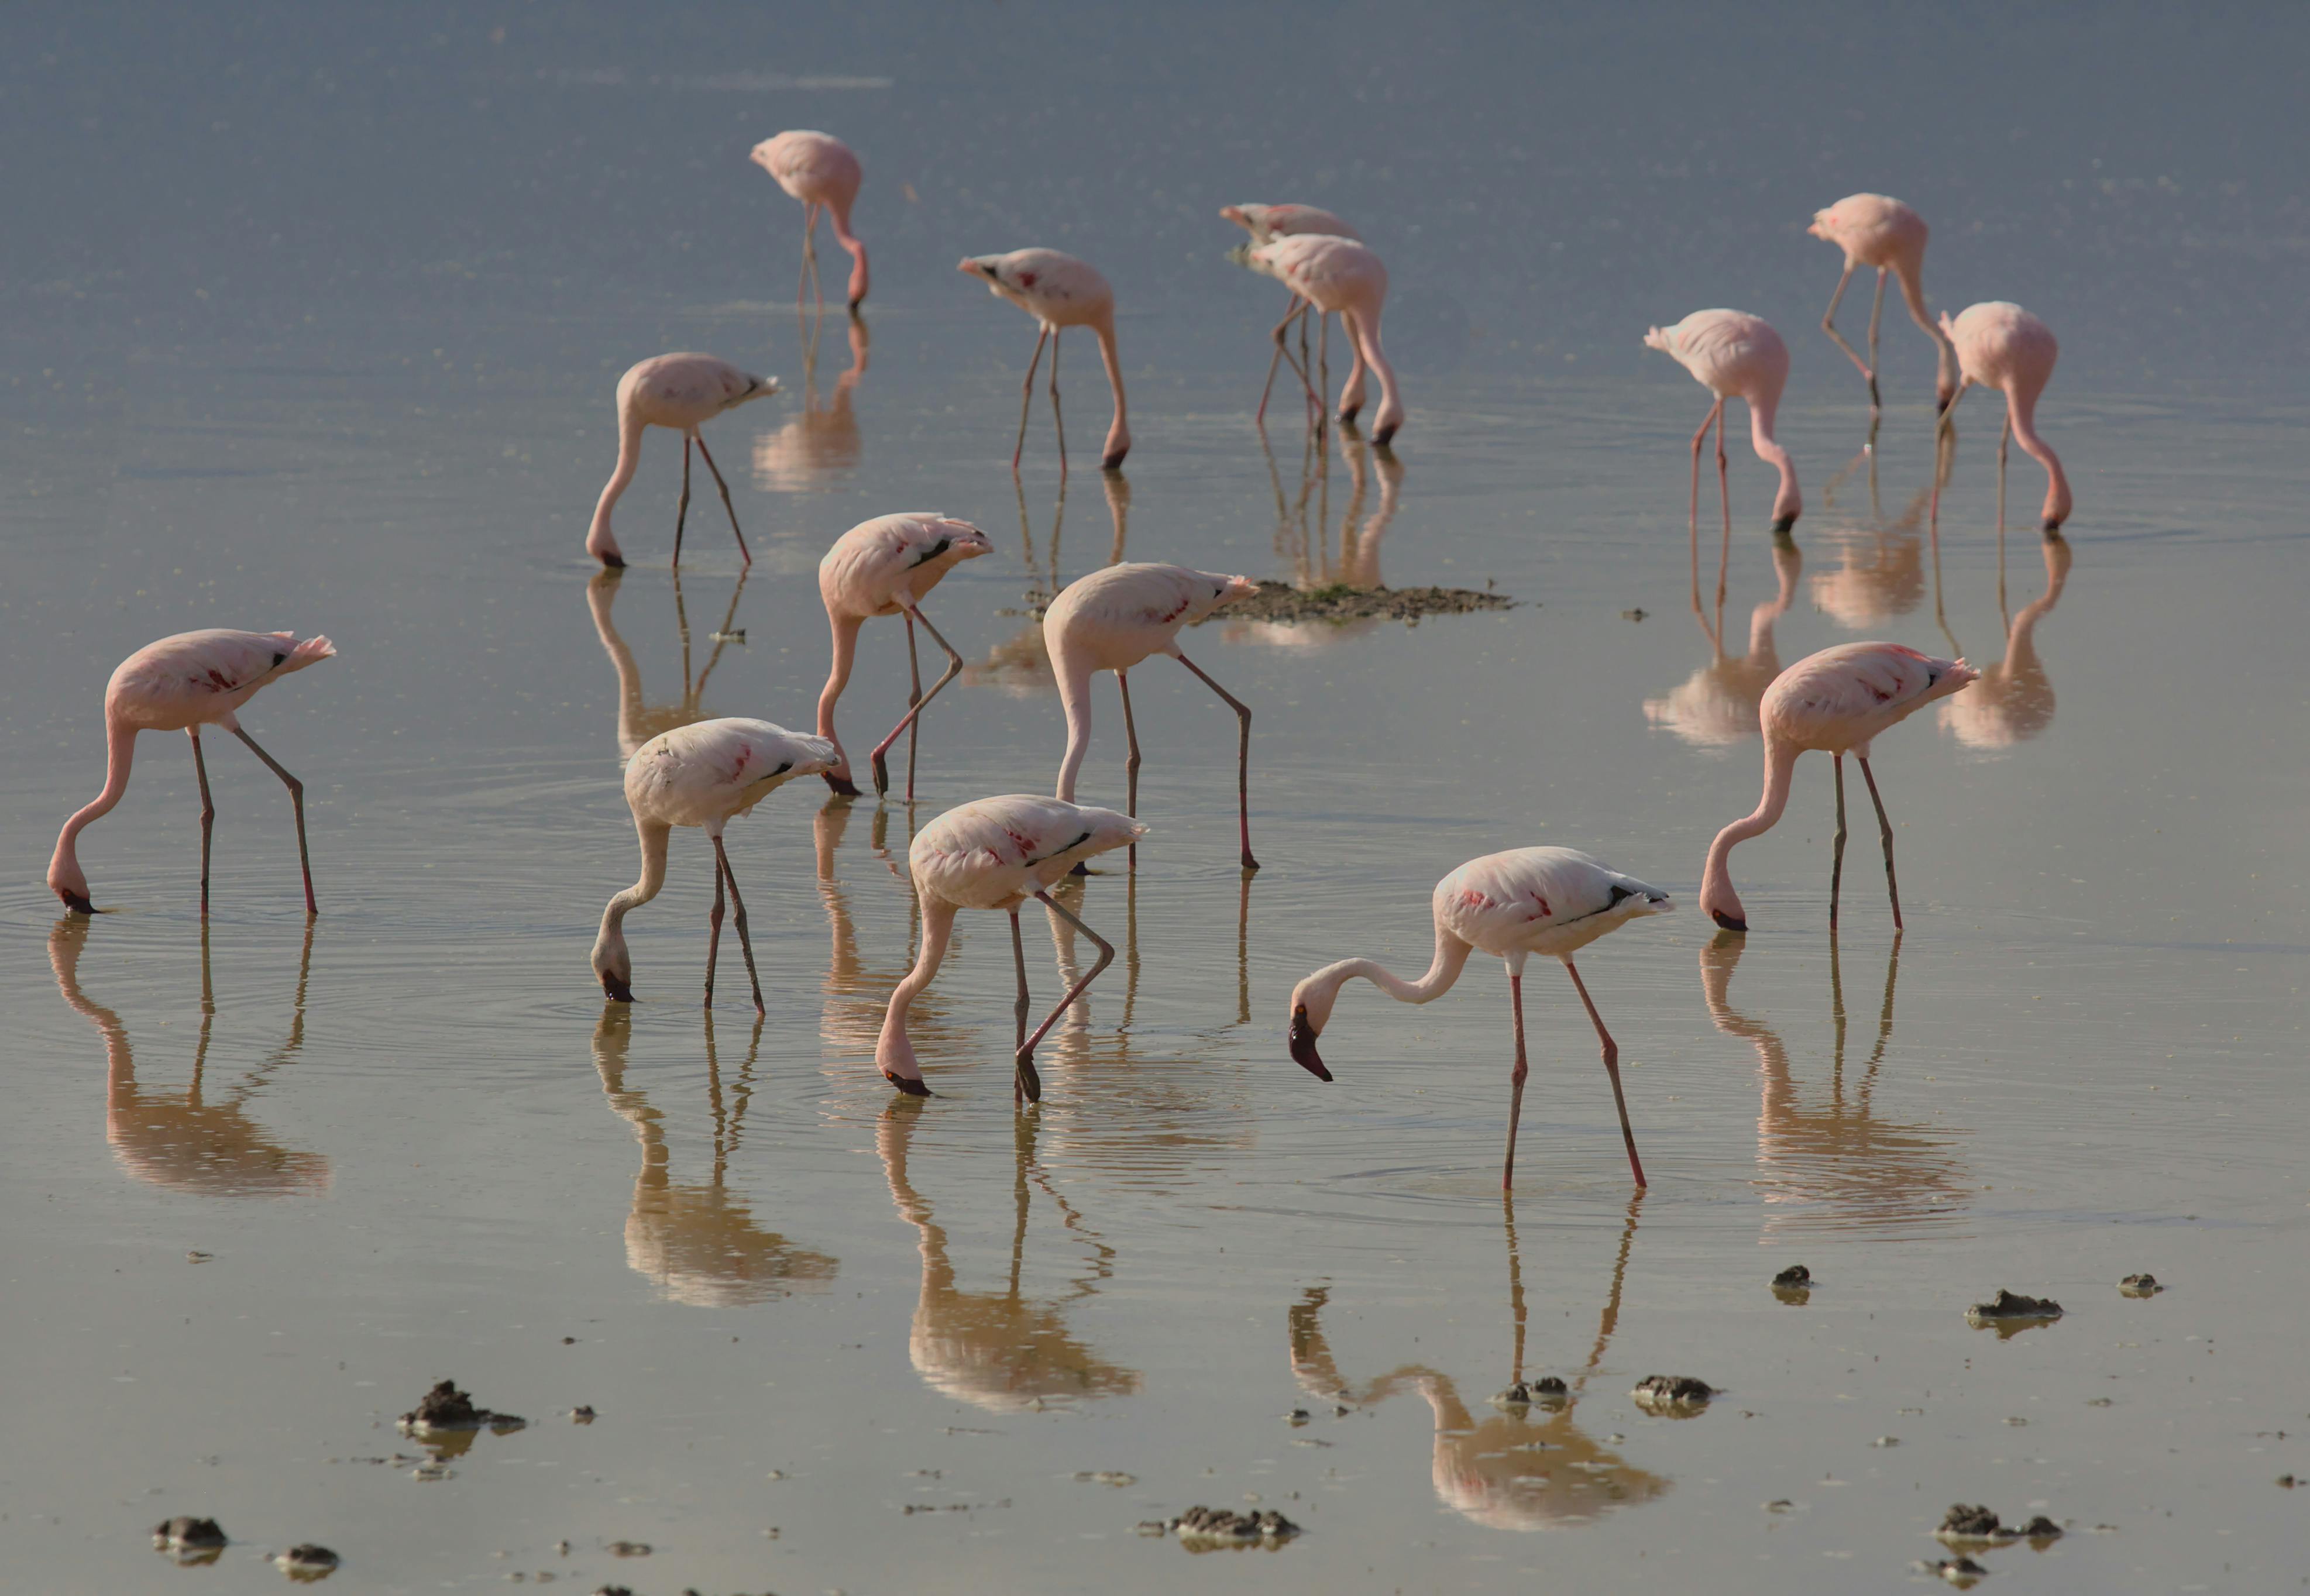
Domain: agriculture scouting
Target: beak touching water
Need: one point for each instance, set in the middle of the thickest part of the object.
(1303, 1045)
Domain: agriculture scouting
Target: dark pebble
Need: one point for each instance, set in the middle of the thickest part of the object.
(1974, 1523)
(1671, 1393)
(2144, 1285)
(1796, 1274)
(446, 1408)
(2012, 1304)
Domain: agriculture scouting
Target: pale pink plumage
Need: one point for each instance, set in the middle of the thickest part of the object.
(1059, 291)
(996, 854)
(1876, 229)
(1735, 355)
(823, 172)
(1837, 701)
(1512, 905)
(681, 391)
(181, 684)
(1267, 224)
(1343, 275)
(884, 567)
(2001, 346)
(1112, 619)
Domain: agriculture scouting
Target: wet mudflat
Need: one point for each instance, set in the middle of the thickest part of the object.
(268, 1187)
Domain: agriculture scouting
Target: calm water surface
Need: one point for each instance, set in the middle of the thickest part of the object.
(318, 328)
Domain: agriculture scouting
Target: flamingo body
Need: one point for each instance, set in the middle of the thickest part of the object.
(2001, 346)
(1344, 275)
(1267, 224)
(181, 684)
(1060, 292)
(823, 173)
(1735, 355)
(1878, 231)
(681, 392)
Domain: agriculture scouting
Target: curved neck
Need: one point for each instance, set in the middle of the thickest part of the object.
(600, 543)
(838, 212)
(654, 834)
(1911, 275)
(1780, 763)
(892, 1049)
(837, 677)
(1443, 970)
(1074, 698)
(1389, 416)
(119, 753)
(2023, 406)
(65, 945)
(1118, 432)
(1762, 408)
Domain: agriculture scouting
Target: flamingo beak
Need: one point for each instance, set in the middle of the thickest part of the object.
(1727, 922)
(1303, 1045)
(1782, 524)
(619, 989)
(912, 1089)
(77, 903)
(843, 786)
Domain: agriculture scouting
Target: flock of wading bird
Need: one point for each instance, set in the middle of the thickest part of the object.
(997, 853)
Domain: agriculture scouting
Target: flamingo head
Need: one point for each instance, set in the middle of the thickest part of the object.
(71, 886)
(1722, 905)
(615, 967)
(1311, 1012)
(1244, 216)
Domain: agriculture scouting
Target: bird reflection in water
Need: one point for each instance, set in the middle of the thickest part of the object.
(856, 994)
(184, 1140)
(819, 444)
(1716, 707)
(638, 720)
(2013, 701)
(1531, 1467)
(1020, 664)
(1880, 570)
(698, 1242)
(1833, 1162)
(1002, 1350)
(1303, 538)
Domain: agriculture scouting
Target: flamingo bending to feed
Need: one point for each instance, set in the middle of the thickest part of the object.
(1265, 224)
(884, 567)
(1059, 291)
(996, 854)
(181, 684)
(1735, 355)
(681, 391)
(2000, 345)
(1112, 620)
(823, 172)
(701, 774)
(1876, 229)
(1837, 701)
(1343, 275)
(1553, 901)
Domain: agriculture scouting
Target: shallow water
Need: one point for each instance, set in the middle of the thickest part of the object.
(326, 325)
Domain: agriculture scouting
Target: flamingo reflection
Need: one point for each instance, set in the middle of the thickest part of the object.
(1532, 1466)
(1880, 570)
(1716, 707)
(638, 721)
(2013, 701)
(1020, 664)
(856, 994)
(184, 1140)
(819, 443)
(1306, 549)
(697, 1241)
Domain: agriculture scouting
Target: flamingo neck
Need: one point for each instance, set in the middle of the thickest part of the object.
(837, 677)
(1716, 879)
(119, 753)
(1789, 503)
(1074, 698)
(839, 213)
(2023, 406)
(893, 1052)
(1911, 275)
(600, 541)
(1118, 432)
(1390, 414)
(1443, 970)
(610, 943)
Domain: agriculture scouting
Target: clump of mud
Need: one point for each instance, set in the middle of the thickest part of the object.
(1963, 1573)
(2010, 1305)
(2142, 1285)
(1205, 1527)
(1547, 1392)
(306, 1562)
(1279, 600)
(1794, 1285)
(1978, 1526)
(190, 1540)
(1673, 1396)
(446, 1408)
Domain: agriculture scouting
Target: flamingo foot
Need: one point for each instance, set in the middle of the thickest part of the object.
(842, 785)
(907, 1084)
(1030, 1082)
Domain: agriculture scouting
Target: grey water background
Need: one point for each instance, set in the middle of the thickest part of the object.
(312, 319)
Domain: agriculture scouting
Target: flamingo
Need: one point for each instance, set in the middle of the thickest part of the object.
(820, 171)
(1267, 224)
(699, 774)
(1114, 618)
(1343, 275)
(1735, 355)
(1059, 291)
(681, 391)
(1876, 229)
(1837, 700)
(2000, 345)
(1512, 905)
(996, 854)
(181, 684)
(884, 567)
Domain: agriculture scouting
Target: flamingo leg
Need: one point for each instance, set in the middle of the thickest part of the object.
(1291, 308)
(1836, 854)
(208, 814)
(1516, 1079)
(738, 916)
(1611, 1068)
(2004, 441)
(296, 803)
(1699, 438)
(681, 508)
(743, 552)
(1876, 316)
(953, 669)
(1885, 832)
(1307, 383)
(1242, 755)
(1027, 397)
(1026, 1056)
(713, 935)
(1026, 1086)
(1324, 359)
(810, 253)
(1131, 765)
(1828, 326)
(1724, 497)
(1944, 428)
(913, 696)
(1059, 423)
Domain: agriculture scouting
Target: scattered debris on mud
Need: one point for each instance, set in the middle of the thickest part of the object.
(1963, 1573)
(2142, 1285)
(1547, 1392)
(190, 1540)
(1673, 1396)
(2010, 1307)
(446, 1408)
(1978, 1526)
(1279, 600)
(306, 1562)
(1201, 1528)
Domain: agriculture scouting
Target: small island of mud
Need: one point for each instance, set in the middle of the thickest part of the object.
(1279, 600)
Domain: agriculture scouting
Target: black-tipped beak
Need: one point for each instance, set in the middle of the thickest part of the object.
(1031, 1084)
(1114, 462)
(912, 1089)
(1302, 1046)
(2051, 527)
(613, 562)
(855, 303)
(1726, 922)
(1384, 437)
(618, 991)
(843, 787)
(1782, 524)
(77, 903)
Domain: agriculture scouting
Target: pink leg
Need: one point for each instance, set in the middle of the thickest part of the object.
(913, 696)
(1611, 1068)
(296, 803)
(1242, 755)
(1885, 831)
(744, 553)
(681, 508)
(208, 815)
(1130, 765)
(1026, 1086)
(1026, 1055)
(954, 670)
(1059, 423)
(1515, 1082)
(738, 916)
(1294, 308)
(1725, 497)
(1836, 852)
(714, 933)
(1027, 397)
(802, 283)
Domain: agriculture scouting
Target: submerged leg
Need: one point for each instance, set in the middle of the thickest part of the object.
(296, 803)
(1699, 438)
(738, 915)
(743, 552)
(1836, 849)
(1130, 765)
(1611, 1068)
(714, 933)
(208, 814)
(1515, 1080)
(953, 669)
(1026, 1086)
(1242, 755)
(1027, 397)
(1026, 1056)
(1885, 831)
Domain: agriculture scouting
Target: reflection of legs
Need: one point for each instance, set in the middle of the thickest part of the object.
(1026, 1086)
(1106, 956)
(1885, 831)
(1130, 765)
(738, 916)
(1836, 852)
(681, 508)
(953, 669)
(913, 696)
(1611, 1068)
(1027, 397)
(208, 815)
(743, 552)
(1242, 755)
(714, 933)
(1515, 1080)
(296, 804)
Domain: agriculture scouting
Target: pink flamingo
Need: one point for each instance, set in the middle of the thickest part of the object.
(1059, 291)
(1735, 355)
(1837, 701)
(680, 392)
(820, 171)
(1876, 229)
(996, 854)
(1344, 275)
(885, 566)
(1112, 620)
(2000, 345)
(1267, 224)
(181, 684)
(699, 774)
(1553, 901)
